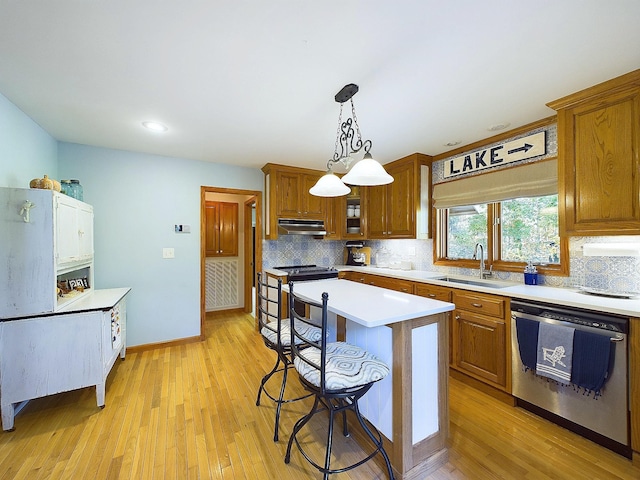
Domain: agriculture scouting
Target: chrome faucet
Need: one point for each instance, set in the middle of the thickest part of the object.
(475, 257)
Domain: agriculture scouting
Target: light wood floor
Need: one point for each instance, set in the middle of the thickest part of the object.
(189, 412)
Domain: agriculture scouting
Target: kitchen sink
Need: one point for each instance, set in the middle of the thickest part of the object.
(468, 281)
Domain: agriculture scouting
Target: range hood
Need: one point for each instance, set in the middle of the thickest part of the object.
(301, 227)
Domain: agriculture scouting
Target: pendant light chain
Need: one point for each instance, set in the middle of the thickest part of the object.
(335, 151)
(355, 120)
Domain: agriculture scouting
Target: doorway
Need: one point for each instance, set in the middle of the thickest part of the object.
(249, 240)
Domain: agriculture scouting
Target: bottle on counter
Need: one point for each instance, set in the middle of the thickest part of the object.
(530, 274)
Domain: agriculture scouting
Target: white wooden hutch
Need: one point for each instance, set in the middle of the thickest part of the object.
(51, 342)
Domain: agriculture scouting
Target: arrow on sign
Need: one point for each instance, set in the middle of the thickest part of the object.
(524, 149)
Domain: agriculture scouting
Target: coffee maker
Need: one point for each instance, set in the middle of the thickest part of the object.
(355, 254)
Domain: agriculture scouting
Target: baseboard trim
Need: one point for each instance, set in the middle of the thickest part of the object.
(172, 343)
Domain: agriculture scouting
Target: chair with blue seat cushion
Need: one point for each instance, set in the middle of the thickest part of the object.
(276, 334)
(338, 374)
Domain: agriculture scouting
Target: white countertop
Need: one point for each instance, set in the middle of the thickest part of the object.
(570, 297)
(103, 299)
(368, 305)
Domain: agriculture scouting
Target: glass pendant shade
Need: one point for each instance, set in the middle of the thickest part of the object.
(329, 186)
(367, 172)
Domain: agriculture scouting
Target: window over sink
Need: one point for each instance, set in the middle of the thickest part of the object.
(512, 213)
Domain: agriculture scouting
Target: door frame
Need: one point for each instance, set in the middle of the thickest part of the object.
(248, 269)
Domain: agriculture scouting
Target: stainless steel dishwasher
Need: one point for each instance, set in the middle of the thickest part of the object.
(605, 418)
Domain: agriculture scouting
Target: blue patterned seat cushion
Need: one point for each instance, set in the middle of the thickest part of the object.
(347, 366)
(307, 331)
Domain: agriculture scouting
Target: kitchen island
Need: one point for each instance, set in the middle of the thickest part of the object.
(410, 334)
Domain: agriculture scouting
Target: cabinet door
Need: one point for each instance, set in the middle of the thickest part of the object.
(228, 229)
(377, 208)
(221, 229)
(310, 205)
(479, 346)
(334, 218)
(400, 202)
(67, 233)
(85, 231)
(599, 159)
(288, 193)
(211, 225)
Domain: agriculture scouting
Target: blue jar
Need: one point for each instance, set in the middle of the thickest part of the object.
(78, 191)
(72, 188)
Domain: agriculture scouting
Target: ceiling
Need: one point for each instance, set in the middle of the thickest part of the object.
(251, 82)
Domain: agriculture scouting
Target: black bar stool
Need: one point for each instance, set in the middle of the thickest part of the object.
(276, 335)
(338, 374)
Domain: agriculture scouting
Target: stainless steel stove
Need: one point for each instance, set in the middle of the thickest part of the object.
(299, 273)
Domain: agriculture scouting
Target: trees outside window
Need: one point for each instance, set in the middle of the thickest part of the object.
(512, 232)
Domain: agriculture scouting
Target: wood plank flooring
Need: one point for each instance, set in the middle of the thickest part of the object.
(188, 412)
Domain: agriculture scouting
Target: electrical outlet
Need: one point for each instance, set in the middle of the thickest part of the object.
(168, 253)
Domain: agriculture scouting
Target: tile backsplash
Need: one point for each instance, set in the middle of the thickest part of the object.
(612, 273)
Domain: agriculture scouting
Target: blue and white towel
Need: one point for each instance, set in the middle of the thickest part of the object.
(555, 352)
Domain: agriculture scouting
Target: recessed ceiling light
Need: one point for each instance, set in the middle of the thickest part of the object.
(498, 126)
(452, 144)
(155, 126)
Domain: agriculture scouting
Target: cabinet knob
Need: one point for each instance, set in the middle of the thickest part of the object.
(457, 317)
(477, 305)
(405, 289)
(432, 295)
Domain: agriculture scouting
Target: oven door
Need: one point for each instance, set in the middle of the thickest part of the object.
(607, 415)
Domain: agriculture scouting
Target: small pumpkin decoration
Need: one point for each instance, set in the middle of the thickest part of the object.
(45, 183)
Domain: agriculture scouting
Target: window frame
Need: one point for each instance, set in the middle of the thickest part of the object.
(493, 247)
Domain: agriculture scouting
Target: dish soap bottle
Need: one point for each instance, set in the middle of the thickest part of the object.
(530, 274)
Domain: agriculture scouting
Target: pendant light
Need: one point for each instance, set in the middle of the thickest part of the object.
(366, 172)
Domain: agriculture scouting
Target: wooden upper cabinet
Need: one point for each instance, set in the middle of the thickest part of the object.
(221, 229)
(287, 196)
(393, 208)
(598, 159)
(293, 199)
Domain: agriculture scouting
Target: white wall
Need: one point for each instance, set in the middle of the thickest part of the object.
(137, 200)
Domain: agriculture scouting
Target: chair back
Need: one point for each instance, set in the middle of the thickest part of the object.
(269, 310)
(301, 341)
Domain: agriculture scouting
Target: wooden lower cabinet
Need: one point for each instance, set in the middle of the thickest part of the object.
(437, 293)
(433, 291)
(389, 283)
(479, 338)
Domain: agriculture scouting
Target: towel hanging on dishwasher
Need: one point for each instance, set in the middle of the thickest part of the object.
(555, 352)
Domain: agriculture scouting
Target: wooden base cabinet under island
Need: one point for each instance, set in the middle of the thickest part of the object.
(71, 349)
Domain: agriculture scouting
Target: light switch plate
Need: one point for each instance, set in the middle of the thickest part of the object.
(168, 253)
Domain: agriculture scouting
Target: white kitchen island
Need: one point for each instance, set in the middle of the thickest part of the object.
(410, 333)
(72, 348)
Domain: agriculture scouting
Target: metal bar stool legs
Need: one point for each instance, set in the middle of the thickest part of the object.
(276, 334)
(338, 374)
